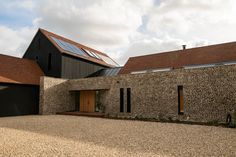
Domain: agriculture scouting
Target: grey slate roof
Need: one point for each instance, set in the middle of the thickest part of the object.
(106, 72)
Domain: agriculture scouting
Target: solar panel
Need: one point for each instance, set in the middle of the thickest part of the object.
(58, 43)
(74, 49)
(69, 47)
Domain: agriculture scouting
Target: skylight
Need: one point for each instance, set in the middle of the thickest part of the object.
(199, 66)
(97, 56)
(107, 60)
(230, 63)
(151, 70)
(92, 54)
(139, 72)
(69, 47)
(161, 69)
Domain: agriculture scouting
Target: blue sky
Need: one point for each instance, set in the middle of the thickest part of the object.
(15, 16)
(16, 19)
(120, 28)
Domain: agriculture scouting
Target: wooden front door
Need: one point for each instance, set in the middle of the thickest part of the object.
(87, 101)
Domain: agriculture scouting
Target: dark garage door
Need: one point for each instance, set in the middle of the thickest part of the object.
(18, 99)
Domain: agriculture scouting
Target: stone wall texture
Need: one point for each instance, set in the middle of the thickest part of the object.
(54, 96)
(209, 93)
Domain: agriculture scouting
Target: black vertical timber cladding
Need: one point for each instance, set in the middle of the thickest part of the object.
(18, 100)
(39, 50)
(73, 67)
(49, 61)
(62, 66)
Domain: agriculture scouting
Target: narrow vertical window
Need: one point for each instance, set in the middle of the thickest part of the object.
(49, 61)
(37, 58)
(39, 44)
(121, 99)
(180, 100)
(128, 100)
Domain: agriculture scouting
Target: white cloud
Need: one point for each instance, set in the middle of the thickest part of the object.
(144, 44)
(102, 22)
(124, 28)
(16, 4)
(212, 20)
(15, 42)
(104, 25)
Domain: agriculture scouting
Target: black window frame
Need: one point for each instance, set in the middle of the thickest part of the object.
(128, 107)
(179, 88)
(121, 99)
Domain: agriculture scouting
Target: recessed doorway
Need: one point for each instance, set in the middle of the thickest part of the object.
(87, 101)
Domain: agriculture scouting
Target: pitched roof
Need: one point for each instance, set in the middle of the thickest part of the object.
(106, 72)
(104, 58)
(19, 71)
(176, 59)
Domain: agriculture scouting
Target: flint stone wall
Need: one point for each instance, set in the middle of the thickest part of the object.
(54, 96)
(209, 93)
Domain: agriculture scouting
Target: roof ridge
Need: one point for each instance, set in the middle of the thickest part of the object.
(67, 39)
(187, 49)
(218, 53)
(15, 57)
(9, 56)
(102, 61)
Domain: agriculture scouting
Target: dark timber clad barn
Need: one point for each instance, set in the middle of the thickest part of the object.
(48, 54)
(63, 58)
(19, 86)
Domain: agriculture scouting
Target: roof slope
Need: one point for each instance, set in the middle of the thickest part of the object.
(104, 57)
(175, 59)
(19, 71)
(106, 72)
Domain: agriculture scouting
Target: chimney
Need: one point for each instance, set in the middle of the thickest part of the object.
(184, 47)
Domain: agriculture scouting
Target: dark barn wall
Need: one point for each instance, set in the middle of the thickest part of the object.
(18, 100)
(76, 68)
(39, 50)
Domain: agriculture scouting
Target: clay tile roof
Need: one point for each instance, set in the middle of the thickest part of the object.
(19, 71)
(176, 59)
(83, 47)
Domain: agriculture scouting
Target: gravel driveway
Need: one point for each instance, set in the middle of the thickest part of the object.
(58, 135)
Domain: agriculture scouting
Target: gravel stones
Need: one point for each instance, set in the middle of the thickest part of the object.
(58, 135)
